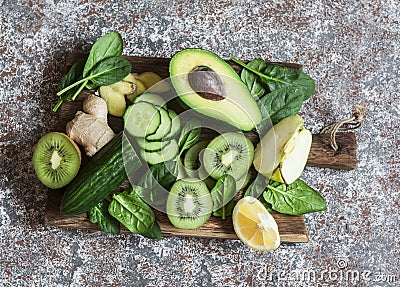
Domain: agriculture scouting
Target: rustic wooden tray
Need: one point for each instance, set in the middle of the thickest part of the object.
(291, 228)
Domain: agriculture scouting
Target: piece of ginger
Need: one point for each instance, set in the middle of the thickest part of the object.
(90, 128)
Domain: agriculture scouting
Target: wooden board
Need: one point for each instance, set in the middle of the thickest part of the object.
(291, 228)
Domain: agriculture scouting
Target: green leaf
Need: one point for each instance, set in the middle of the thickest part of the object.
(129, 209)
(109, 45)
(296, 199)
(280, 77)
(90, 86)
(109, 71)
(159, 174)
(74, 74)
(225, 211)
(287, 89)
(267, 205)
(252, 81)
(257, 187)
(190, 134)
(256, 190)
(154, 232)
(282, 103)
(156, 182)
(99, 215)
(223, 192)
(264, 77)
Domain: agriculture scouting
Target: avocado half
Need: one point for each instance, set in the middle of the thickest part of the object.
(237, 108)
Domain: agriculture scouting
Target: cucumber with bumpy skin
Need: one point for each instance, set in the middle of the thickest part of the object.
(106, 171)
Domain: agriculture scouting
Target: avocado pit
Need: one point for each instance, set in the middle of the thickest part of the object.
(207, 83)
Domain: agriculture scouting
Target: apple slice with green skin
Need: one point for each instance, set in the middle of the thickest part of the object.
(294, 160)
(287, 141)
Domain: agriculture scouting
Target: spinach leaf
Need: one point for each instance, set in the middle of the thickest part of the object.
(276, 77)
(288, 77)
(156, 182)
(110, 71)
(129, 209)
(253, 81)
(286, 88)
(107, 72)
(104, 66)
(74, 74)
(296, 199)
(225, 211)
(154, 232)
(267, 205)
(222, 193)
(90, 86)
(99, 215)
(109, 45)
(264, 77)
(190, 134)
(161, 173)
(257, 187)
(282, 103)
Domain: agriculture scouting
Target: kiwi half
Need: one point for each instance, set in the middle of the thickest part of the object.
(189, 203)
(56, 160)
(229, 153)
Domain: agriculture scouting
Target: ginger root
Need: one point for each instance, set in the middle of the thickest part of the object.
(90, 128)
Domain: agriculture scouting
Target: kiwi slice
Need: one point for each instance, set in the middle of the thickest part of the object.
(191, 160)
(56, 160)
(189, 203)
(229, 153)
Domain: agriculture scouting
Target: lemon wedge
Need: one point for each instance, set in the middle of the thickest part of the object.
(254, 225)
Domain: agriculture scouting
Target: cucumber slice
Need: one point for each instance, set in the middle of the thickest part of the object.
(176, 124)
(164, 128)
(154, 99)
(168, 153)
(151, 146)
(142, 119)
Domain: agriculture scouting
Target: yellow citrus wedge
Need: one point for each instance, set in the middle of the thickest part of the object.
(254, 225)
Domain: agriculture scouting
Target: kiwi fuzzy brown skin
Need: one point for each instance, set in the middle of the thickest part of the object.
(42, 156)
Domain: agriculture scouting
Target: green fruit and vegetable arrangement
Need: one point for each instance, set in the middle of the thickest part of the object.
(205, 142)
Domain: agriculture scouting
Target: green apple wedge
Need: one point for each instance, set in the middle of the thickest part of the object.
(282, 153)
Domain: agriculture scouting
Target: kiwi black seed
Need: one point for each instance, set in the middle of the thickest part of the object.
(191, 160)
(189, 203)
(229, 153)
(56, 160)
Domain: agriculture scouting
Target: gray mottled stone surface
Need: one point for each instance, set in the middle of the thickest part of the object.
(351, 49)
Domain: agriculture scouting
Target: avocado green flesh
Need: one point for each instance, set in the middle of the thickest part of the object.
(238, 108)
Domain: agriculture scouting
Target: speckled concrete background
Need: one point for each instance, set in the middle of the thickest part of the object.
(351, 49)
